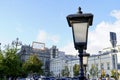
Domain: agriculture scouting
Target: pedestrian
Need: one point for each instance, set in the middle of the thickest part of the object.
(35, 77)
(107, 77)
(100, 78)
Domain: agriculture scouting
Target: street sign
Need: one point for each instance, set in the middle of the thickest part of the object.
(38, 45)
(113, 39)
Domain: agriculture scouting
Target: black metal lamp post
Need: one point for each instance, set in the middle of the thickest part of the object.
(85, 60)
(16, 42)
(0, 46)
(80, 23)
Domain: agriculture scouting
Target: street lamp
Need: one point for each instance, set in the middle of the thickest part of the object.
(0, 46)
(85, 60)
(16, 42)
(99, 56)
(80, 23)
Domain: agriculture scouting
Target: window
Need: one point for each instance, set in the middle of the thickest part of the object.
(113, 59)
(102, 66)
(108, 66)
(97, 66)
(118, 66)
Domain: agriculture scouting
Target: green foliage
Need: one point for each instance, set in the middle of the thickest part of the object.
(1, 66)
(10, 65)
(51, 73)
(33, 64)
(115, 74)
(1, 56)
(93, 71)
(65, 72)
(103, 73)
(76, 69)
(112, 73)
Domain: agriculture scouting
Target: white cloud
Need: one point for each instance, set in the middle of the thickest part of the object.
(99, 38)
(116, 14)
(69, 49)
(43, 36)
(54, 38)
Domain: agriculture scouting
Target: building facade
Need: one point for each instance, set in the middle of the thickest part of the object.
(44, 55)
(60, 62)
(57, 64)
(54, 61)
(106, 60)
(71, 64)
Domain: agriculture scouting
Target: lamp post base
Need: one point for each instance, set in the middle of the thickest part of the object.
(82, 78)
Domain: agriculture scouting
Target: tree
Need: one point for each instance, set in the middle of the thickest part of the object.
(33, 64)
(11, 62)
(1, 56)
(103, 73)
(115, 74)
(1, 66)
(51, 73)
(93, 71)
(76, 69)
(65, 72)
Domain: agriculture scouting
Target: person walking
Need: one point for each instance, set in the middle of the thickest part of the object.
(100, 78)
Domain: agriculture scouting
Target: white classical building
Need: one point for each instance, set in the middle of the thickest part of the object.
(108, 59)
(58, 63)
(71, 64)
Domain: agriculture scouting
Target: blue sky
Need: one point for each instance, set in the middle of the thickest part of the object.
(45, 21)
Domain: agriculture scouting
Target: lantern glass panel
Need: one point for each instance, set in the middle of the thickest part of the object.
(85, 60)
(80, 32)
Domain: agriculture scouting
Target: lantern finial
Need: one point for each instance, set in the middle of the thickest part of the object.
(79, 10)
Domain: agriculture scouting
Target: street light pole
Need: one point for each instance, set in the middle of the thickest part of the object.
(16, 42)
(113, 40)
(80, 23)
(0, 46)
(100, 63)
(81, 64)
